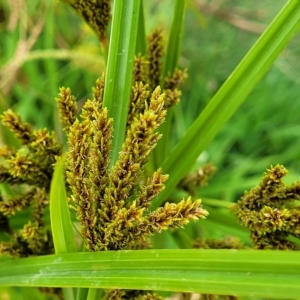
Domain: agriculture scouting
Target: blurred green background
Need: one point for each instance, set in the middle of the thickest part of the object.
(44, 45)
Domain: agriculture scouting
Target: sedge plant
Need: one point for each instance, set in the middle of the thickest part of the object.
(119, 175)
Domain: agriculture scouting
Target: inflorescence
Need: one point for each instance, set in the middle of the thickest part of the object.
(96, 13)
(269, 212)
(112, 205)
(26, 173)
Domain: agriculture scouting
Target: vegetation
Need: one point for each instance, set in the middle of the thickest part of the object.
(98, 195)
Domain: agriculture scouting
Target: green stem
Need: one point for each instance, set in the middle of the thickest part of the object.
(119, 67)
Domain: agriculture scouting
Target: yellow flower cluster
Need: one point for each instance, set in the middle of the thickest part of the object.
(268, 211)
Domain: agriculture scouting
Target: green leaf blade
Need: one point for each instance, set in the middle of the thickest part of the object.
(119, 68)
(269, 274)
(61, 225)
(141, 44)
(174, 42)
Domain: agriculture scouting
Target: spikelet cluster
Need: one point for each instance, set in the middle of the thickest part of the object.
(111, 204)
(269, 212)
(155, 54)
(96, 13)
(172, 84)
(197, 179)
(147, 74)
(27, 172)
(228, 242)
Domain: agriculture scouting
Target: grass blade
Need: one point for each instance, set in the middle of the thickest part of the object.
(119, 67)
(141, 44)
(231, 95)
(174, 42)
(61, 225)
(268, 274)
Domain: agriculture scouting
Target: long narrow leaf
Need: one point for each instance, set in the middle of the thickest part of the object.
(141, 44)
(174, 42)
(119, 67)
(231, 95)
(268, 274)
(61, 224)
(62, 230)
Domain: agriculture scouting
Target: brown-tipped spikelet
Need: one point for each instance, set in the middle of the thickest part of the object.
(176, 215)
(139, 97)
(267, 212)
(228, 242)
(172, 84)
(155, 54)
(67, 107)
(96, 13)
(98, 91)
(32, 239)
(22, 130)
(27, 170)
(28, 173)
(197, 179)
(176, 79)
(147, 74)
(12, 205)
(154, 185)
(140, 69)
